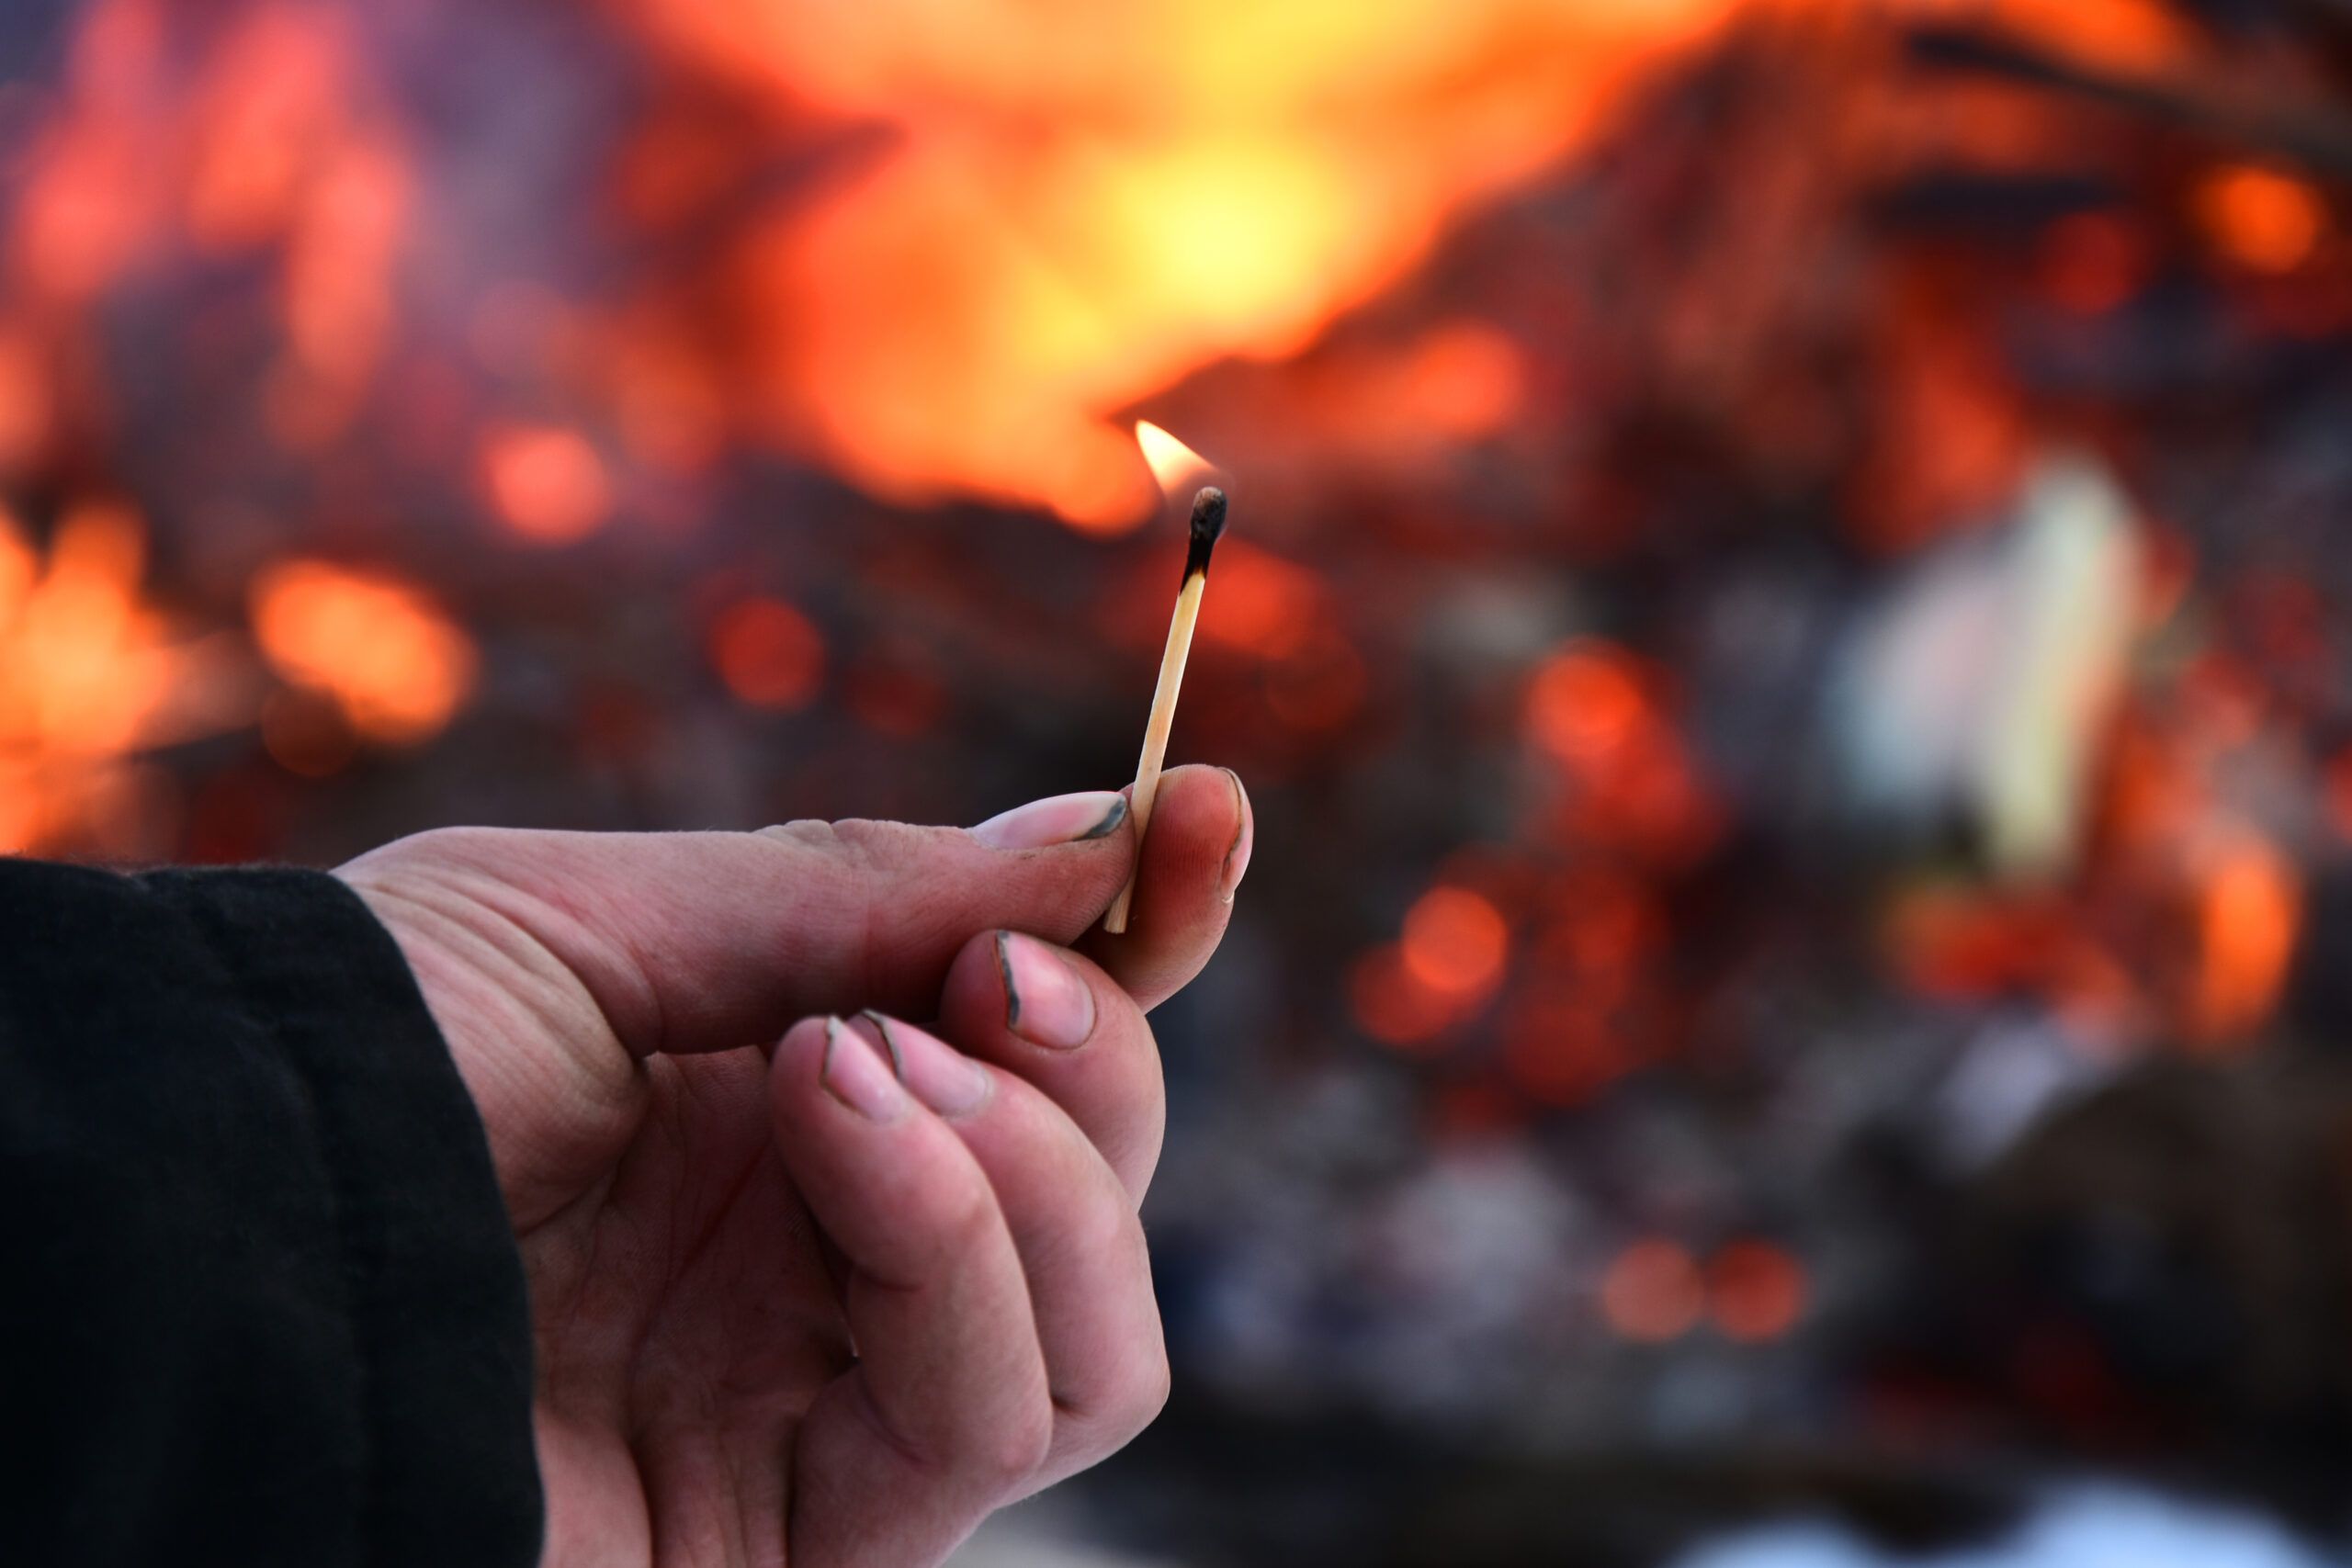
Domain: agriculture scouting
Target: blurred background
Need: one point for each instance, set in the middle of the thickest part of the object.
(1787, 621)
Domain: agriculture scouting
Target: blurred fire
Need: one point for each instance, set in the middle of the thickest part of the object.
(90, 675)
(1060, 215)
(1070, 212)
(396, 665)
(271, 143)
(1001, 228)
(1076, 208)
(1557, 507)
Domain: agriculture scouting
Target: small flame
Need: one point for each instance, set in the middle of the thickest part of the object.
(1173, 464)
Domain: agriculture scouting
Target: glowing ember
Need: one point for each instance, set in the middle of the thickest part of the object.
(395, 664)
(1584, 704)
(2260, 219)
(2249, 911)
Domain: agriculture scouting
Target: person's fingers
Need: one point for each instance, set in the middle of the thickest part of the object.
(1194, 849)
(700, 942)
(1059, 1022)
(1075, 1231)
(947, 1412)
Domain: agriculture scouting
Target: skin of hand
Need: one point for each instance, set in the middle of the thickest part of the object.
(828, 1299)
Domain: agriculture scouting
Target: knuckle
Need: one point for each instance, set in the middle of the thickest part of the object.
(810, 834)
(1009, 1450)
(857, 843)
(1104, 1226)
(968, 1219)
(870, 842)
(1136, 1393)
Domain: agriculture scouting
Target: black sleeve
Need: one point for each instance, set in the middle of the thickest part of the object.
(259, 1302)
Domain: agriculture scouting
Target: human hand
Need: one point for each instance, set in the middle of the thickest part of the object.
(828, 1301)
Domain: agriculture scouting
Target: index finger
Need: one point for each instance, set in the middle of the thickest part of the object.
(1194, 849)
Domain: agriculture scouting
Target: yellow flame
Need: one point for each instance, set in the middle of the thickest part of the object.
(1173, 464)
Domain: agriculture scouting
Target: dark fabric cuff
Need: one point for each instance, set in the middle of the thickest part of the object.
(434, 1284)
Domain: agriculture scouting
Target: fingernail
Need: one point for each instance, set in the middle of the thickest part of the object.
(1059, 819)
(942, 1077)
(855, 1074)
(1244, 836)
(1045, 1001)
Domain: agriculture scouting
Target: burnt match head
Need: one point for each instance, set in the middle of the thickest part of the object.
(1208, 522)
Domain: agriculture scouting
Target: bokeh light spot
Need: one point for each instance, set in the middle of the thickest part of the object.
(770, 655)
(547, 482)
(1454, 941)
(1584, 704)
(2260, 219)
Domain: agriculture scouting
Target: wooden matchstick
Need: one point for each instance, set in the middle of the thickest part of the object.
(1208, 522)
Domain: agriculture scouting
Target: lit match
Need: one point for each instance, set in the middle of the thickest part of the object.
(1170, 460)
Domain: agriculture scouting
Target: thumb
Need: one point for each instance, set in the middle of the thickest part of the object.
(704, 942)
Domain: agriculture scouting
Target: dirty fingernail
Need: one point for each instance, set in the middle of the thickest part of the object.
(1244, 836)
(1058, 819)
(854, 1073)
(1047, 1002)
(941, 1076)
